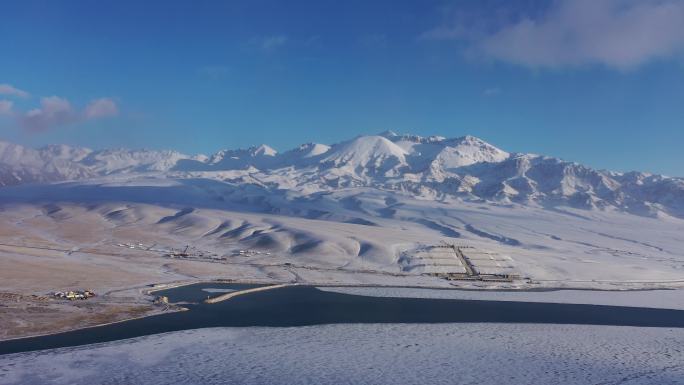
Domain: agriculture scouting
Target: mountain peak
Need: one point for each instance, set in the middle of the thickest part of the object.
(368, 147)
(263, 150)
(388, 134)
(366, 155)
(309, 150)
(471, 149)
(424, 166)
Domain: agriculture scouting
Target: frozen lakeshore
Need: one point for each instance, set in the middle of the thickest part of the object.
(297, 306)
(370, 353)
(378, 353)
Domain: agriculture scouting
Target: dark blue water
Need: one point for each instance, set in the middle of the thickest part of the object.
(302, 305)
(196, 293)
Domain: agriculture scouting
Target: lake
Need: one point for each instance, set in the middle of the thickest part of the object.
(306, 305)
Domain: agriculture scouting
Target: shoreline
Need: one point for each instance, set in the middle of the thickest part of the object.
(93, 326)
(172, 285)
(627, 288)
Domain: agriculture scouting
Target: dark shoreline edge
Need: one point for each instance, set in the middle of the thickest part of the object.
(154, 289)
(303, 305)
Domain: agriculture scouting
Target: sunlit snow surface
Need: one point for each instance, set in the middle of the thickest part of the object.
(363, 228)
(369, 203)
(324, 214)
(429, 167)
(367, 354)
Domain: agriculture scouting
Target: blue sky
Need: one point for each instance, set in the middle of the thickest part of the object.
(598, 82)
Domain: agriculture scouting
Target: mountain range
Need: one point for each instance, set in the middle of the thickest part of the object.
(431, 167)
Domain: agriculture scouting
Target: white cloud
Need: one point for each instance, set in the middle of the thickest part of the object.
(622, 34)
(101, 108)
(6, 107)
(6, 89)
(269, 43)
(272, 42)
(493, 91)
(55, 111)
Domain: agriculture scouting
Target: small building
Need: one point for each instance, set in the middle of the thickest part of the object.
(74, 294)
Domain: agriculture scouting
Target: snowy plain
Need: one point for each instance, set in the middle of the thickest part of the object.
(373, 202)
(382, 354)
(352, 229)
(657, 299)
(362, 212)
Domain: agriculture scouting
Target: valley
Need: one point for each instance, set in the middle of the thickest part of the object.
(350, 214)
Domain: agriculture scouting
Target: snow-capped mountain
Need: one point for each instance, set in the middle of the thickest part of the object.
(20, 164)
(430, 167)
(260, 157)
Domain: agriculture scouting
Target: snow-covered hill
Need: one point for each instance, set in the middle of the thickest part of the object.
(426, 167)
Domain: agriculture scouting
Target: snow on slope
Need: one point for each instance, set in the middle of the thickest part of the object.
(429, 167)
(20, 165)
(124, 161)
(260, 157)
(362, 160)
(359, 227)
(445, 154)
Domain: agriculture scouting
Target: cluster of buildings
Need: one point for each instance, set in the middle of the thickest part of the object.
(74, 295)
(250, 252)
(139, 246)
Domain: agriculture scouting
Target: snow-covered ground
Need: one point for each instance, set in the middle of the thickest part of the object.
(659, 299)
(350, 230)
(362, 212)
(367, 205)
(367, 354)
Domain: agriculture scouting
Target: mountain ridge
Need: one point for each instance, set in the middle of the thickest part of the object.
(431, 167)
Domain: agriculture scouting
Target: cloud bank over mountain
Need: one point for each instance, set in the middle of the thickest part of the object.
(54, 111)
